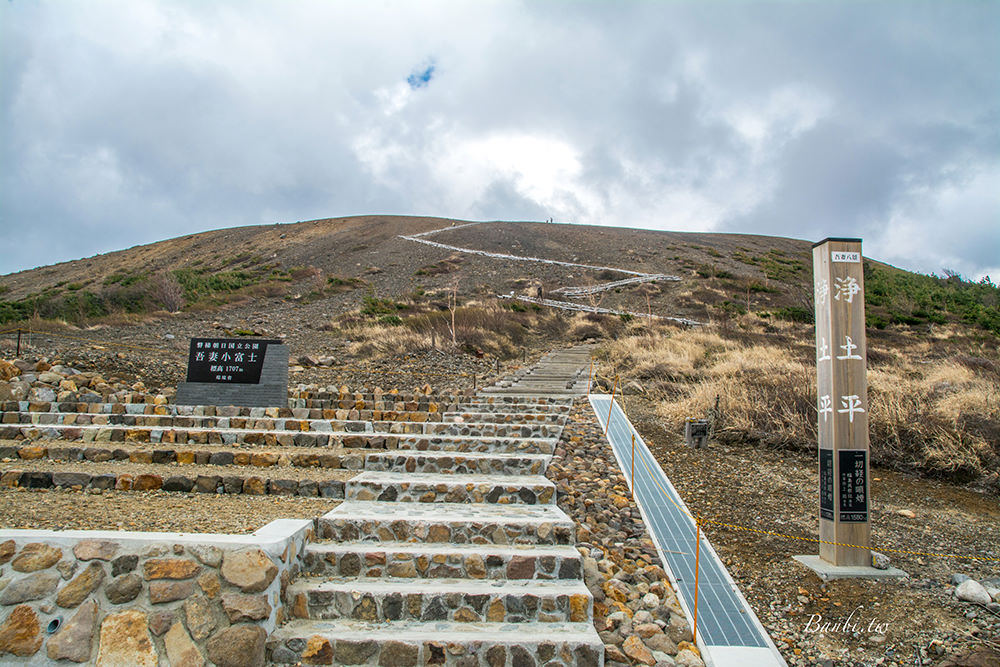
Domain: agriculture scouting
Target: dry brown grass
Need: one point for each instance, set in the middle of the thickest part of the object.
(370, 340)
(928, 411)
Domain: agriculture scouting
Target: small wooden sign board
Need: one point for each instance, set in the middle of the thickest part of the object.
(246, 372)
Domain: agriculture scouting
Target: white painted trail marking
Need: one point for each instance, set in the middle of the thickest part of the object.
(638, 277)
(604, 287)
(569, 305)
(515, 258)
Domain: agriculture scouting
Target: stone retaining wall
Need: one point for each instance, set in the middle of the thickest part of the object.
(143, 598)
(254, 485)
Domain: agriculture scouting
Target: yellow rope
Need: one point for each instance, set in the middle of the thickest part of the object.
(772, 533)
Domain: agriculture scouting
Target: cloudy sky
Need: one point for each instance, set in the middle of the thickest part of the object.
(126, 122)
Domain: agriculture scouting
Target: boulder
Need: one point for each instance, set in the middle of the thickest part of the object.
(170, 568)
(8, 371)
(95, 549)
(971, 590)
(181, 651)
(32, 587)
(76, 591)
(637, 651)
(75, 638)
(238, 646)
(241, 608)
(251, 570)
(36, 556)
(126, 642)
(20, 633)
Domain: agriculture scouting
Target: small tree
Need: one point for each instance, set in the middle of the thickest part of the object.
(167, 291)
(453, 306)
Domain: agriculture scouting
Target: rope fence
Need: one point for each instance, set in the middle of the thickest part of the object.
(699, 521)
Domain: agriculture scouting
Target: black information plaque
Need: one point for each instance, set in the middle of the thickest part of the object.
(853, 500)
(826, 484)
(227, 360)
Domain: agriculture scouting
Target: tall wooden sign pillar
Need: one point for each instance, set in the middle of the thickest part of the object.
(842, 404)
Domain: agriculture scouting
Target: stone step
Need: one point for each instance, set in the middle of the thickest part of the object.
(442, 560)
(273, 438)
(511, 429)
(467, 463)
(532, 401)
(479, 523)
(456, 600)
(181, 454)
(112, 433)
(386, 401)
(127, 476)
(350, 642)
(488, 408)
(368, 401)
(504, 417)
(547, 391)
(437, 488)
(345, 411)
(475, 444)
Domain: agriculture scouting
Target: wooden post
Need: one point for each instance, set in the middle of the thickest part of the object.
(590, 380)
(842, 403)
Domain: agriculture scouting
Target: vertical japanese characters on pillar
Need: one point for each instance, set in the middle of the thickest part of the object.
(842, 402)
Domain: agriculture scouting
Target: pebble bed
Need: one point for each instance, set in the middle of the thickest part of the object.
(636, 611)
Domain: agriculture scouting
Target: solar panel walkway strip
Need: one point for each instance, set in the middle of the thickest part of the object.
(729, 633)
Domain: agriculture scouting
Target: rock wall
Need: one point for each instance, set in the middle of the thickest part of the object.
(145, 598)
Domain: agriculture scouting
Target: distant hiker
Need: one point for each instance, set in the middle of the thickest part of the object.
(539, 292)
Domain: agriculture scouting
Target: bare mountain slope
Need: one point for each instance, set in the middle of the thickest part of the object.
(713, 267)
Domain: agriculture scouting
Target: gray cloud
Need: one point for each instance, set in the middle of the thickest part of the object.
(128, 122)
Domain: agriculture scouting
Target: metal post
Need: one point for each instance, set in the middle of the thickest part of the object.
(611, 406)
(697, 568)
(498, 364)
(633, 467)
(590, 380)
(18, 343)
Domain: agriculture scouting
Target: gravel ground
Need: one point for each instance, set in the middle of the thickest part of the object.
(151, 510)
(777, 491)
(156, 351)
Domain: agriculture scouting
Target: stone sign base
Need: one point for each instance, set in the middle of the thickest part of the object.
(827, 571)
(272, 392)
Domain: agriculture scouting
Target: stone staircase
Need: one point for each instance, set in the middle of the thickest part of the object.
(455, 554)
